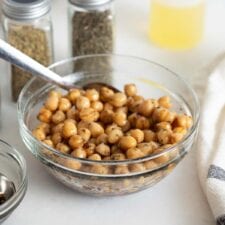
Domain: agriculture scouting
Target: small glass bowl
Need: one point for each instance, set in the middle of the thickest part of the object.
(13, 166)
(99, 177)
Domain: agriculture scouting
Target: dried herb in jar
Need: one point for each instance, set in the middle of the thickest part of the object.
(33, 42)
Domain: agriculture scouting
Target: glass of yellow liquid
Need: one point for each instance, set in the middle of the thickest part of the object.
(176, 24)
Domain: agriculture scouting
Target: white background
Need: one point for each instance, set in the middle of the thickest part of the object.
(176, 200)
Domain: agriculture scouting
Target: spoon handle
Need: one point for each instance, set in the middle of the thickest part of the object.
(16, 57)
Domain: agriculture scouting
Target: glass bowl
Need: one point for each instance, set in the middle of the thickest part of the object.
(98, 177)
(13, 166)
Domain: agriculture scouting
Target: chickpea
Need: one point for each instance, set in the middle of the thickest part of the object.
(114, 136)
(58, 117)
(72, 164)
(69, 128)
(163, 136)
(45, 115)
(39, 134)
(134, 153)
(142, 123)
(79, 153)
(64, 104)
(57, 128)
(97, 105)
(177, 135)
(63, 148)
(48, 142)
(108, 106)
(164, 101)
(89, 148)
(73, 95)
(137, 167)
(83, 124)
(95, 156)
(118, 156)
(162, 158)
(76, 141)
(115, 149)
(137, 134)
(106, 158)
(92, 95)
(120, 118)
(138, 98)
(56, 138)
(161, 114)
(119, 99)
(110, 128)
(92, 141)
(89, 115)
(121, 169)
(127, 142)
(103, 149)
(126, 127)
(84, 133)
(72, 113)
(102, 138)
(150, 164)
(130, 90)
(133, 119)
(146, 147)
(96, 129)
(52, 102)
(106, 116)
(99, 169)
(146, 108)
(183, 121)
(55, 93)
(163, 126)
(149, 135)
(45, 127)
(123, 109)
(106, 94)
(82, 103)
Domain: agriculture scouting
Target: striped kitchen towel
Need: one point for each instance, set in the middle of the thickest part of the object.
(211, 142)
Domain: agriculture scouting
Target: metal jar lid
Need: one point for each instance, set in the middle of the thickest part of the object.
(25, 9)
(89, 3)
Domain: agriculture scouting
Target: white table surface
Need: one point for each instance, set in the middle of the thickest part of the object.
(176, 200)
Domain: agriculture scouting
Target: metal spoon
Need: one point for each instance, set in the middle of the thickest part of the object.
(7, 188)
(16, 57)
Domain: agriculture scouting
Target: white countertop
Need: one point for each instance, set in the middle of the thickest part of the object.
(176, 200)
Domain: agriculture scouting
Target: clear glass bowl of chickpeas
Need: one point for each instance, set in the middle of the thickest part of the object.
(105, 141)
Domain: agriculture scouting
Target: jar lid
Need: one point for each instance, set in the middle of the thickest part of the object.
(89, 2)
(25, 9)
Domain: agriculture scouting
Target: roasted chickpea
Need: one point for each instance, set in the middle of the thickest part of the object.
(63, 148)
(106, 94)
(162, 158)
(96, 129)
(72, 113)
(177, 135)
(73, 95)
(142, 123)
(115, 149)
(56, 138)
(134, 153)
(95, 156)
(146, 148)
(72, 164)
(39, 134)
(161, 114)
(52, 102)
(183, 121)
(149, 135)
(133, 119)
(146, 108)
(127, 142)
(89, 148)
(123, 109)
(114, 136)
(106, 116)
(58, 117)
(84, 133)
(97, 105)
(99, 169)
(120, 118)
(45, 115)
(69, 128)
(57, 128)
(108, 106)
(64, 104)
(126, 127)
(45, 127)
(137, 167)
(118, 156)
(130, 90)
(48, 142)
(89, 115)
(163, 126)
(163, 136)
(103, 149)
(137, 134)
(102, 138)
(82, 103)
(92, 141)
(83, 124)
(119, 99)
(111, 127)
(150, 165)
(121, 169)
(76, 141)
(79, 153)
(164, 101)
(92, 94)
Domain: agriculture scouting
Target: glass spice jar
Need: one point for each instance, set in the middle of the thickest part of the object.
(91, 26)
(27, 26)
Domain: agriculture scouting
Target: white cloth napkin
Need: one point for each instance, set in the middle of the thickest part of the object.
(211, 141)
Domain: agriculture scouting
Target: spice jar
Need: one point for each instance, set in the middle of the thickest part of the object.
(91, 26)
(27, 26)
